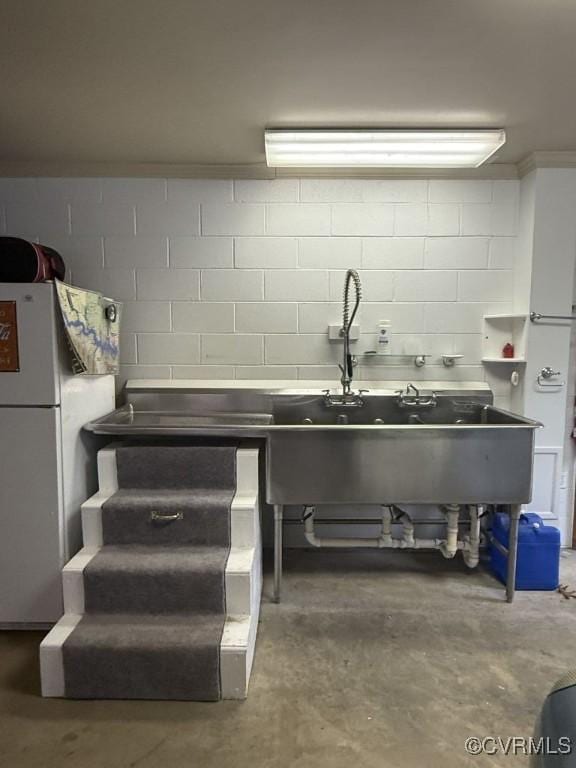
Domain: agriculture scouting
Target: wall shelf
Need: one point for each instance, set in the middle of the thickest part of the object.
(513, 360)
(498, 330)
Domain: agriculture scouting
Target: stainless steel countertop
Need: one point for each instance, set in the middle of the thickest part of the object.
(234, 409)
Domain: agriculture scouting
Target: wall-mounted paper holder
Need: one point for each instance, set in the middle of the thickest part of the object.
(547, 373)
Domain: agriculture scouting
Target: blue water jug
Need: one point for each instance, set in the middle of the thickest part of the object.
(538, 563)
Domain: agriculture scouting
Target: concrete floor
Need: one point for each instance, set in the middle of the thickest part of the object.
(373, 659)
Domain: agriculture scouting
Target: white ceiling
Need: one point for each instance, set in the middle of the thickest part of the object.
(196, 81)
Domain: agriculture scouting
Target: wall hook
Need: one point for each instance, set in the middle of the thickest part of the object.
(449, 360)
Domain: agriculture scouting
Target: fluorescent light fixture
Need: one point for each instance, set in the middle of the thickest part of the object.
(381, 148)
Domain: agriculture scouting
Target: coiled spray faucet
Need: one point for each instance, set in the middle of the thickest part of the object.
(347, 398)
(347, 367)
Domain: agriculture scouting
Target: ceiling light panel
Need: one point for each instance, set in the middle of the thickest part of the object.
(351, 148)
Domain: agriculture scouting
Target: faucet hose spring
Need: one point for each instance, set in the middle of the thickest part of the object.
(347, 319)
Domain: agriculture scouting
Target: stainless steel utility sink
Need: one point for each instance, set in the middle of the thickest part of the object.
(462, 451)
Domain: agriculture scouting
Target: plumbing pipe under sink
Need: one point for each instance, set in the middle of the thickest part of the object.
(408, 540)
(386, 535)
(448, 547)
(471, 551)
(384, 541)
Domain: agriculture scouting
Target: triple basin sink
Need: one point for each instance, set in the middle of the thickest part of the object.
(461, 450)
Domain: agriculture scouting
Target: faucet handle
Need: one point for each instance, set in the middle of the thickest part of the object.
(363, 391)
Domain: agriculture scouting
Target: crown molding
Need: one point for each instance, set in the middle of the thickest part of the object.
(545, 159)
(82, 169)
(242, 171)
(20, 169)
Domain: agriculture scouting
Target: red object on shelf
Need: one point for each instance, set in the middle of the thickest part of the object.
(508, 350)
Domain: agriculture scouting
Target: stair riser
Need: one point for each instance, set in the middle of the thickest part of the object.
(140, 593)
(122, 673)
(206, 527)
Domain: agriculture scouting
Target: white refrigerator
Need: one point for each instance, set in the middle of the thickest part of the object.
(47, 462)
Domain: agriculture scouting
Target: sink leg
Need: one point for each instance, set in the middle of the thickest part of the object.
(514, 512)
(278, 523)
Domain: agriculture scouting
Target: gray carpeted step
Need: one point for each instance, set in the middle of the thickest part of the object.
(144, 657)
(137, 579)
(175, 466)
(127, 517)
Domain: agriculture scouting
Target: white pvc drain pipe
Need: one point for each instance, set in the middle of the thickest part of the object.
(449, 546)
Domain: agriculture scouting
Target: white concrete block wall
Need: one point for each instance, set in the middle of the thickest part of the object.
(239, 279)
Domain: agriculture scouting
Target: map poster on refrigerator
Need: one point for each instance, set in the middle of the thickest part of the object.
(92, 325)
(8, 338)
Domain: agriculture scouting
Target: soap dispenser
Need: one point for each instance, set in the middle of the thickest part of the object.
(384, 337)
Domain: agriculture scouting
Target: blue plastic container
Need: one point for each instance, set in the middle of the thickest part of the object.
(538, 563)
